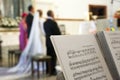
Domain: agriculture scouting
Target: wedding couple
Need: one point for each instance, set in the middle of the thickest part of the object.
(36, 45)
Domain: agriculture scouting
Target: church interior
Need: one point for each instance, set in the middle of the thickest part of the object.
(72, 17)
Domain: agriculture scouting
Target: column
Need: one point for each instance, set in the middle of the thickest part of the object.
(8, 6)
(26, 4)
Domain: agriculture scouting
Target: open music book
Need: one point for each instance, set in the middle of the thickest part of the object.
(81, 57)
(110, 47)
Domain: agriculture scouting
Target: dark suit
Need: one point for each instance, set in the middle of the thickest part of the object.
(51, 28)
(29, 21)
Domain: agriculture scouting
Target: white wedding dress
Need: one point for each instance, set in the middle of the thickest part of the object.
(36, 45)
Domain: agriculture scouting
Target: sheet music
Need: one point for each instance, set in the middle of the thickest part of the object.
(80, 58)
(113, 41)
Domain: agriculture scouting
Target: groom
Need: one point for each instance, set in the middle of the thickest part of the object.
(29, 19)
(51, 28)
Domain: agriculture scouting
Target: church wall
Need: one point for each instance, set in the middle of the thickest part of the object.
(76, 9)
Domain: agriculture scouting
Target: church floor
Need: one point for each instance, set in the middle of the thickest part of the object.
(30, 78)
(46, 78)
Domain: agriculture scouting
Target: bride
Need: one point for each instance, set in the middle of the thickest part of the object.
(36, 45)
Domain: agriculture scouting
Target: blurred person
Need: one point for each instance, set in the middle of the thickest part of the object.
(23, 32)
(42, 35)
(40, 13)
(41, 23)
(29, 19)
(51, 28)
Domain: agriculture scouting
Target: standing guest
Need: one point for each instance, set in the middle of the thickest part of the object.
(51, 28)
(23, 32)
(29, 19)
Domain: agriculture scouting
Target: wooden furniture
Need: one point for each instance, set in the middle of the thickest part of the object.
(10, 57)
(42, 59)
(99, 10)
(13, 55)
(17, 54)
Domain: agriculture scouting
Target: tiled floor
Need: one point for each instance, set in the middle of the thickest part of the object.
(35, 78)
